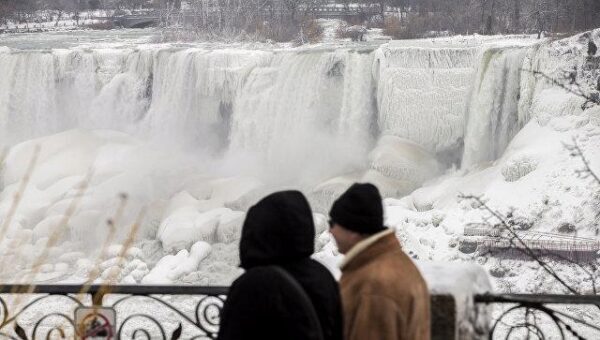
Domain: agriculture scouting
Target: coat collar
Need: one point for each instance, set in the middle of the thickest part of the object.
(369, 248)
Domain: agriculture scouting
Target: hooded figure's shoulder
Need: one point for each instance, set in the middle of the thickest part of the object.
(320, 270)
(258, 277)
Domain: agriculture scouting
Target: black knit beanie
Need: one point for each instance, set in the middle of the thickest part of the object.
(359, 209)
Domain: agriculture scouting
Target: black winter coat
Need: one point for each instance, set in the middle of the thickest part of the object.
(261, 304)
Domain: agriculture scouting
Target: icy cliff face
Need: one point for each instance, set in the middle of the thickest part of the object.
(422, 94)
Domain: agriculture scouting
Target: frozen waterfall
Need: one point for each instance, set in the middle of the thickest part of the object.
(287, 109)
(493, 107)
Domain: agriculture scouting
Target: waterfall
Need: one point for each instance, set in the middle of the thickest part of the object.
(421, 94)
(286, 109)
(304, 104)
(492, 118)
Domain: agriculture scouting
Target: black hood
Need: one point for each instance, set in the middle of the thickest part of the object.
(278, 230)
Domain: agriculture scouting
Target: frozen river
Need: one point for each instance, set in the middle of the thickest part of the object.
(83, 38)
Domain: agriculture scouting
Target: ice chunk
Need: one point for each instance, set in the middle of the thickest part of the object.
(187, 226)
(323, 195)
(402, 160)
(389, 187)
(74, 147)
(230, 227)
(181, 200)
(172, 267)
(517, 167)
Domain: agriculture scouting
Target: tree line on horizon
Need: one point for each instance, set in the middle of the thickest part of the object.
(410, 18)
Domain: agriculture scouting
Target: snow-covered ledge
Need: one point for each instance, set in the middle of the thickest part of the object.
(453, 286)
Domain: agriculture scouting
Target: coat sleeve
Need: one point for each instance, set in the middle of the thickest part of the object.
(376, 317)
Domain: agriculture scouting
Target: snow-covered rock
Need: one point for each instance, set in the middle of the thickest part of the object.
(518, 167)
(172, 267)
(323, 195)
(230, 227)
(47, 227)
(398, 166)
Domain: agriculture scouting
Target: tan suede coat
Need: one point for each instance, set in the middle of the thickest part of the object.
(383, 294)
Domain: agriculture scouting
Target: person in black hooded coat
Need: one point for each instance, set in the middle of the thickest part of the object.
(261, 304)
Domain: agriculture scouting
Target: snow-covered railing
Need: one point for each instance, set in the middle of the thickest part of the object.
(496, 239)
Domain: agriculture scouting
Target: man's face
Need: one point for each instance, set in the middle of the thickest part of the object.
(344, 238)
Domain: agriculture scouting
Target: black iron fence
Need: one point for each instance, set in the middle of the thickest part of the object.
(150, 312)
(532, 316)
(193, 312)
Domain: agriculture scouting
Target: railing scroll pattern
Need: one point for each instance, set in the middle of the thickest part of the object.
(532, 316)
(58, 303)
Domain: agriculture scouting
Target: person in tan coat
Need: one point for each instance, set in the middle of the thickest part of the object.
(384, 296)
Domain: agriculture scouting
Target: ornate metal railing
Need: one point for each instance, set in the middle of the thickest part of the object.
(533, 316)
(191, 312)
(156, 317)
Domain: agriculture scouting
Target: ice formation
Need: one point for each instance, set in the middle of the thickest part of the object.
(422, 93)
(493, 116)
(195, 135)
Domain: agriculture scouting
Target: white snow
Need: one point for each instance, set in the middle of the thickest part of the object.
(462, 281)
(172, 267)
(196, 134)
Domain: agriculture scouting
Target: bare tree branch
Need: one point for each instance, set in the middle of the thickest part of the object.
(569, 83)
(518, 242)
